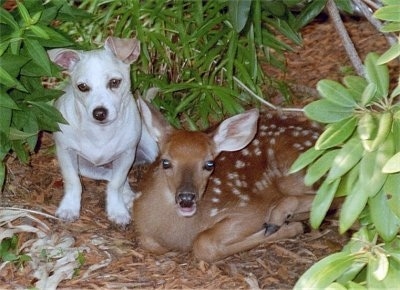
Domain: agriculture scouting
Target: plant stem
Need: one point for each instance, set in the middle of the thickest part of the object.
(367, 13)
(341, 30)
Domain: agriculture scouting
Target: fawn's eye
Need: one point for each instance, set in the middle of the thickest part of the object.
(209, 165)
(83, 87)
(166, 163)
(114, 83)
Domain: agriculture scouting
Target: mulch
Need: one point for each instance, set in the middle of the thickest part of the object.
(112, 257)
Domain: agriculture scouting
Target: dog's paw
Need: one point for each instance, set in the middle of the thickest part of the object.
(121, 219)
(128, 197)
(67, 214)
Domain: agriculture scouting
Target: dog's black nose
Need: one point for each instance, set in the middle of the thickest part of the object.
(100, 114)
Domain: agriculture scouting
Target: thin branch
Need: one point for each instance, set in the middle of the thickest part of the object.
(367, 13)
(347, 42)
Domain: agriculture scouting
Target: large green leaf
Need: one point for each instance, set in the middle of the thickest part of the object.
(322, 202)
(320, 167)
(325, 111)
(388, 13)
(392, 191)
(39, 55)
(355, 85)
(309, 13)
(371, 176)
(346, 159)
(326, 271)
(336, 93)
(377, 74)
(336, 133)
(386, 222)
(305, 159)
(352, 207)
(239, 13)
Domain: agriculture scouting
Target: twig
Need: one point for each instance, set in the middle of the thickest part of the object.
(268, 104)
(341, 30)
(366, 12)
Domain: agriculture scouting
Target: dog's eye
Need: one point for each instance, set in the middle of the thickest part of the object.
(83, 87)
(114, 83)
(166, 164)
(209, 165)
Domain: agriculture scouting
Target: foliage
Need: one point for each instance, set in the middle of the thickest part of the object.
(198, 51)
(24, 102)
(9, 251)
(359, 154)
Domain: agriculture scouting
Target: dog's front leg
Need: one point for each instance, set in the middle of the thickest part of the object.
(70, 205)
(119, 193)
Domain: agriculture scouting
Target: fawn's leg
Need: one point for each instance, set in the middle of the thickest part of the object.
(231, 236)
(286, 208)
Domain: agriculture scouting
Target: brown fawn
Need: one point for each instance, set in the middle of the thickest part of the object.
(199, 195)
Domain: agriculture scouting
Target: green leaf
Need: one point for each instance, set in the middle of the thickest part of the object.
(385, 221)
(390, 27)
(24, 13)
(239, 13)
(6, 101)
(378, 265)
(336, 93)
(327, 270)
(320, 167)
(39, 31)
(322, 202)
(388, 13)
(16, 134)
(10, 82)
(368, 94)
(2, 173)
(325, 111)
(355, 85)
(393, 164)
(391, 281)
(305, 159)
(371, 176)
(352, 207)
(392, 192)
(309, 13)
(38, 54)
(390, 54)
(377, 74)
(346, 159)
(7, 18)
(336, 133)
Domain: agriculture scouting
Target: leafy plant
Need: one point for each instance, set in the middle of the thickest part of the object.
(25, 107)
(9, 252)
(359, 155)
(206, 56)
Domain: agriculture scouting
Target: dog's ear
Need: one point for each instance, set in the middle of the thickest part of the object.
(156, 124)
(125, 49)
(66, 58)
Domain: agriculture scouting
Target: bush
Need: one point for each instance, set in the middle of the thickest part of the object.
(206, 56)
(25, 107)
(359, 154)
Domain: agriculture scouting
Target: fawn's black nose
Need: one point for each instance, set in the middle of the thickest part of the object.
(186, 199)
(100, 114)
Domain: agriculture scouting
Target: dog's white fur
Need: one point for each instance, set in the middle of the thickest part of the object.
(101, 147)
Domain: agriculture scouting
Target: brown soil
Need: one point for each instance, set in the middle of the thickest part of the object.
(120, 260)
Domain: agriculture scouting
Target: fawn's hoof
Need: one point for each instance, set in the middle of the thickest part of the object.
(270, 229)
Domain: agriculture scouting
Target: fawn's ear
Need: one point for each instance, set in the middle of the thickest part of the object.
(236, 132)
(125, 49)
(156, 124)
(64, 57)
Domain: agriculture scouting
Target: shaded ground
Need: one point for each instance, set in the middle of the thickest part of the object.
(113, 258)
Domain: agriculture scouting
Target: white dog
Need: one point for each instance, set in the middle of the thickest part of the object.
(104, 126)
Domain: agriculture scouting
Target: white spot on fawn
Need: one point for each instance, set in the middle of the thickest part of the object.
(240, 164)
(213, 212)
